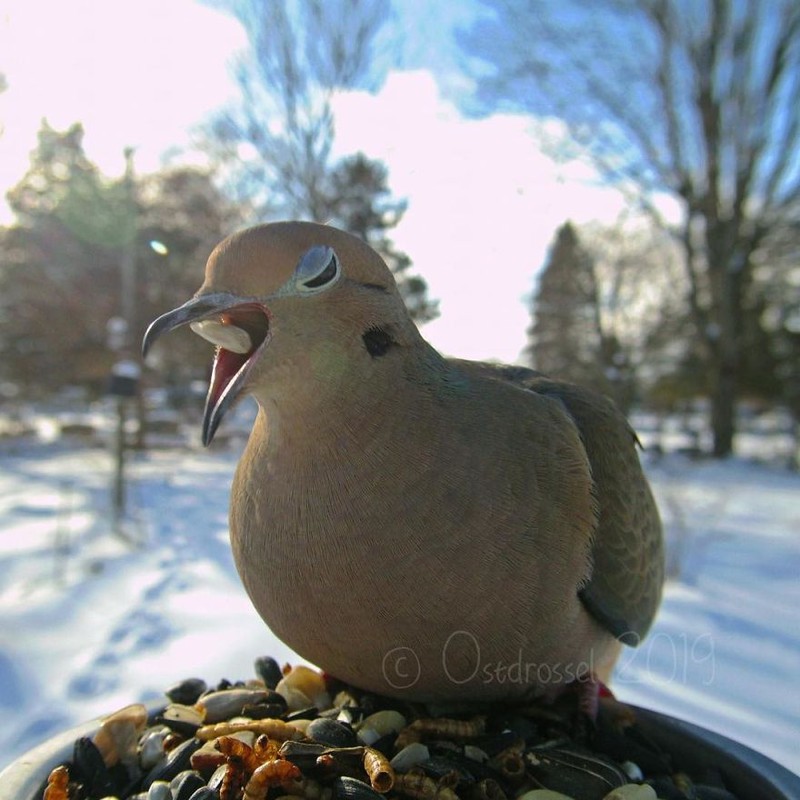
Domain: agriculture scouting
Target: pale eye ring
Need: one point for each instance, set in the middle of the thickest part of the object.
(318, 269)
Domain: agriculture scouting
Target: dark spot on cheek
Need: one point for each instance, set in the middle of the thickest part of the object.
(377, 341)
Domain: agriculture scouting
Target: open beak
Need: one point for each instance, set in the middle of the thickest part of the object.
(240, 330)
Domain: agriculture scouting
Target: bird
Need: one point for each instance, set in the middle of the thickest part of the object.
(419, 526)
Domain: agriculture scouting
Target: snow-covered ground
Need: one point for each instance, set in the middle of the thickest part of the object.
(92, 618)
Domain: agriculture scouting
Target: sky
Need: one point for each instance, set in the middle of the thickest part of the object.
(483, 201)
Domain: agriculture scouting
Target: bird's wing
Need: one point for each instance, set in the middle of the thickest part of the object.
(624, 590)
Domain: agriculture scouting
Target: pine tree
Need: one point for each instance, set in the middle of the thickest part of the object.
(60, 276)
(567, 339)
(564, 335)
(359, 201)
(60, 281)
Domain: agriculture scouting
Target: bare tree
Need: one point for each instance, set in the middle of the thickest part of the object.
(698, 101)
(601, 298)
(778, 273)
(276, 140)
(639, 289)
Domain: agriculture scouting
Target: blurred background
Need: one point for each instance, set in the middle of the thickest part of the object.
(608, 192)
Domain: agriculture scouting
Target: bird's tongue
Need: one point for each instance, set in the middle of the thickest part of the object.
(226, 365)
(240, 333)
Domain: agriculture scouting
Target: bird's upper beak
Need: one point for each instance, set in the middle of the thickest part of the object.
(240, 329)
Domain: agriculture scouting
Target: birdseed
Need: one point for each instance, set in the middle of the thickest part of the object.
(274, 741)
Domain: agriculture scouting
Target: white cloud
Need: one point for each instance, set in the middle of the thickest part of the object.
(484, 203)
(134, 74)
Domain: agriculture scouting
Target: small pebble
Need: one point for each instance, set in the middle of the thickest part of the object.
(544, 794)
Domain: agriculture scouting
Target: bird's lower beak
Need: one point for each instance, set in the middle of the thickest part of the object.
(240, 330)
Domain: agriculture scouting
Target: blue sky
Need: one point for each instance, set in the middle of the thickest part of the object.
(483, 201)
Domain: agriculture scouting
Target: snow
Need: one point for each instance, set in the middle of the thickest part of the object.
(95, 616)
(725, 649)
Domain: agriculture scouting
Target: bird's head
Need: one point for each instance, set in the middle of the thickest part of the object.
(288, 305)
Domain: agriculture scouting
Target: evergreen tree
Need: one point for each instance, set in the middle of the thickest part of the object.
(564, 340)
(359, 201)
(567, 339)
(60, 279)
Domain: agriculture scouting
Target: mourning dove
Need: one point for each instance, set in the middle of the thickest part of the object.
(415, 525)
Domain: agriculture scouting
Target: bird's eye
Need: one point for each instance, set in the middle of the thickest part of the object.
(377, 341)
(317, 270)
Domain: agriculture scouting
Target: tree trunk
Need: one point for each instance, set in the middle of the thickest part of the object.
(727, 266)
(723, 407)
(726, 359)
